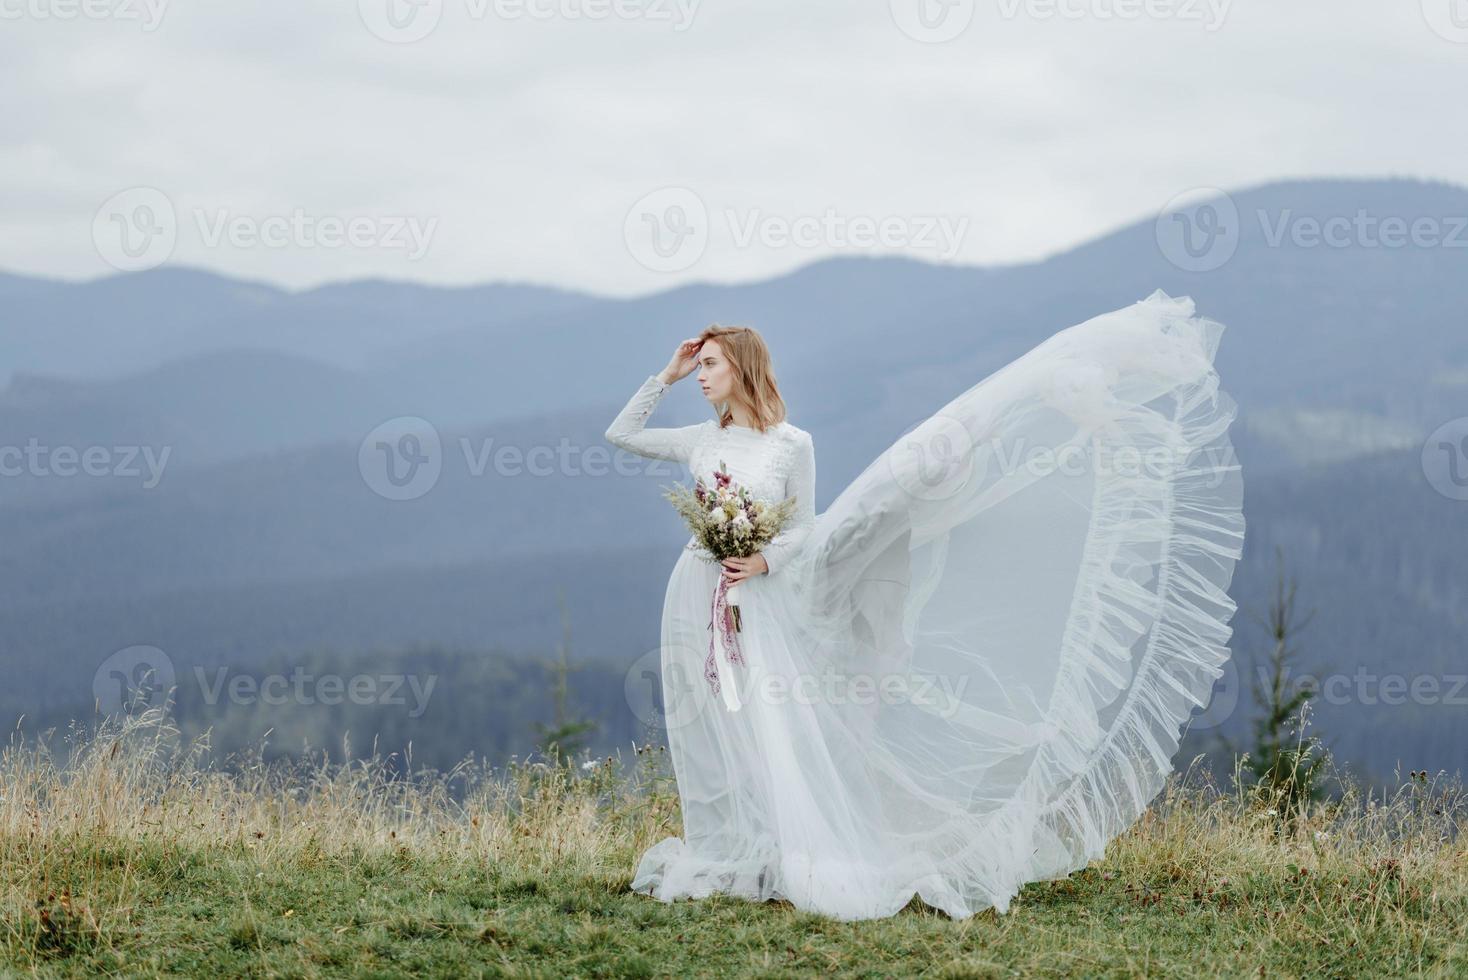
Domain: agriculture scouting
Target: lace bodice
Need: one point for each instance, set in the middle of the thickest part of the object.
(775, 464)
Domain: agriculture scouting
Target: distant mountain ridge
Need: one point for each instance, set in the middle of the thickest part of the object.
(1342, 360)
(1377, 332)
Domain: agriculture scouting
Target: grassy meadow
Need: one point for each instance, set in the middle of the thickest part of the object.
(129, 853)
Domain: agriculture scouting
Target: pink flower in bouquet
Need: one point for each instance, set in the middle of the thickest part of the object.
(729, 523)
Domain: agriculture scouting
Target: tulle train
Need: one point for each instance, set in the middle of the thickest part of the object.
(999, 629)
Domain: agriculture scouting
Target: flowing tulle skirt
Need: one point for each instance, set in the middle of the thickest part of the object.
(975, 672)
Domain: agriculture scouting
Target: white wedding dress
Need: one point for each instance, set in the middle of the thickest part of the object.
(971, 670)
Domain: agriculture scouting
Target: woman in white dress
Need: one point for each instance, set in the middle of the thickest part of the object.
(970, 671)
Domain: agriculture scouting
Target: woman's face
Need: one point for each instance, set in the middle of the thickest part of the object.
(714, 375)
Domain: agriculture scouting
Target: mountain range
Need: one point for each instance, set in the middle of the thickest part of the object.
(264, 534)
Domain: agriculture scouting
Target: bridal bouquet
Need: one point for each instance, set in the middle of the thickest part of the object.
(728, 522)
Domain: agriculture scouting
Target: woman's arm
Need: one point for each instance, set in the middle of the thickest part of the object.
(628, 430)
(802, 484)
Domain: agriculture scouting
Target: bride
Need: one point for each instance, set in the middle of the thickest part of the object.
(970, 671)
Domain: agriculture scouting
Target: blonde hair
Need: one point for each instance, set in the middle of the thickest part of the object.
(754, 377)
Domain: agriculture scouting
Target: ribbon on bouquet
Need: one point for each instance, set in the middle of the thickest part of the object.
(725, 626)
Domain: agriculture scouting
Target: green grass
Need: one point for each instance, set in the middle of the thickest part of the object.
(132, 858)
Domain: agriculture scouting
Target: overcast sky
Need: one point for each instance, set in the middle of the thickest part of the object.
(624, 147)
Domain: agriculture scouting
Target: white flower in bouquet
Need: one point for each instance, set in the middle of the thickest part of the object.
(726, 519)
(728, 522)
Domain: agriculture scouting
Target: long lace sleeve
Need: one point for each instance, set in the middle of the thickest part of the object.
(802, 485)
(628, 430)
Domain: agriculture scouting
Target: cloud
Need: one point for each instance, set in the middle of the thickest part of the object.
(528, 139)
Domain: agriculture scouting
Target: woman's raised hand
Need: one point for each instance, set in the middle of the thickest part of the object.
(684, 361)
